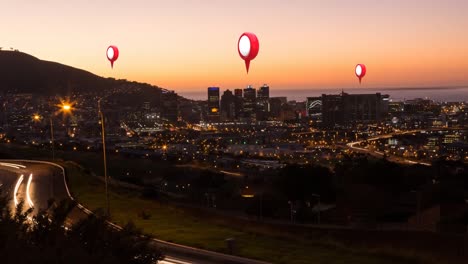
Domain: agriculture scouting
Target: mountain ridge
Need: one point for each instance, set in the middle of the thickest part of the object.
(23, 73)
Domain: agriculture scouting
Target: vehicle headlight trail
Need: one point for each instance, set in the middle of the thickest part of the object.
(18, 184)
(28, 197)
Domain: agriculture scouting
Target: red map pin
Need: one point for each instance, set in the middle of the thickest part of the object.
(112, 54)
(248, 47)
(360, 71)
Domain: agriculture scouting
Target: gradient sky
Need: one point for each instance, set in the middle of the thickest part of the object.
(192, 44)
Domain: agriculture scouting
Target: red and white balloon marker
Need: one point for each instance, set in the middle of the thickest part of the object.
(112, 54)
(248, 47)
(360, 71)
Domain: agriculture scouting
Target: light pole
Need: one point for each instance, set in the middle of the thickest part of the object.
(37, 118)
(101, 117)
(52, 137)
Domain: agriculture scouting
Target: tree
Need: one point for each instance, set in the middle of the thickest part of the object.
(47, 238)
(304, 183)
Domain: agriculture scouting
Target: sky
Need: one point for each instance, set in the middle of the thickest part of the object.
(188, 45)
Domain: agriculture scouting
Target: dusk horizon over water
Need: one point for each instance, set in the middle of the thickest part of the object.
(439, 94)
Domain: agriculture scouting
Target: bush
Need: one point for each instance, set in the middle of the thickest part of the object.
(144, 215)
(46, 240)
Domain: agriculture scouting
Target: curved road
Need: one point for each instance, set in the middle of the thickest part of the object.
(33, 183)
(356, 147)
(37, 183)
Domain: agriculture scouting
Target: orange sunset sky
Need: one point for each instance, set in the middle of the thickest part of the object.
(188, 45)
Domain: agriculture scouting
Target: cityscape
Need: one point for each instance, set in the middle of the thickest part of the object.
(248, 132)
(229, 152)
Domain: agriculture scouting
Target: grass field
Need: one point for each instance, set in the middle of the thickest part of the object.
(205, 231)
(177, 225)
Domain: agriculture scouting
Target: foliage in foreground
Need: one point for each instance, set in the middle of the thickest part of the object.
(46, 238)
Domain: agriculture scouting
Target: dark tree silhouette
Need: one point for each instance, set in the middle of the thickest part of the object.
(47, 238)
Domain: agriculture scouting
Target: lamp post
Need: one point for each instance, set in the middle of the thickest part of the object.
(101, 117)
(65, 108)
(37, 118)
(52, 137)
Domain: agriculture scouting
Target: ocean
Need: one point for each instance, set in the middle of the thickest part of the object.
(439, 94)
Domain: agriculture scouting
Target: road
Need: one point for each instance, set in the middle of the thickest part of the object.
(37, 183)
(355, 146)
(33, 183)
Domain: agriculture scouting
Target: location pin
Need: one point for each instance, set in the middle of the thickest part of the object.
(112, 54)
(248, 47)
(360, 71)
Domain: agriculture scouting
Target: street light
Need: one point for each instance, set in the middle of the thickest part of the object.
(101, 117)
(52, 137)
(65, 108)
(37, 118)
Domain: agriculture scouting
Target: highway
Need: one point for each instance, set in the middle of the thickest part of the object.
(355, 146)
(37, 183)
(33, 183)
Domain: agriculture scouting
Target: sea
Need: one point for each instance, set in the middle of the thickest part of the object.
(439, 94)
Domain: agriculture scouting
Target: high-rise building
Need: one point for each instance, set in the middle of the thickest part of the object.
(228, 106)
(213, 104)
(263, 104)
(238, 93)
(344, 109)
(276, 104)
(264, 92)
(250, 98)
(314, 107)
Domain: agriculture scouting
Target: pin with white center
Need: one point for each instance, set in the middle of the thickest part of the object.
(112, 54)
(360, 71)
(248, 47)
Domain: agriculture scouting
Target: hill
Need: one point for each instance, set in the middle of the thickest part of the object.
(23, 73)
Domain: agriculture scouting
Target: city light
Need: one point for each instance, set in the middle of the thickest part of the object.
(66, 107)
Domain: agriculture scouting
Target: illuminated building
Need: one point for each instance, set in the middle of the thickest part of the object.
(250, 98)
(346, 109)
(213, 104)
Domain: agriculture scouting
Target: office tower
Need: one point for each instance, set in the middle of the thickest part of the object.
(249, 107)
(346, 109)
(238, 93)
(314, 108)
(263, 104)
(213, 104)
(228, 106)
(264, 92)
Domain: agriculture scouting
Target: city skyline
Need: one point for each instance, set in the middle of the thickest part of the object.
(261, 131)
(302, 45)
